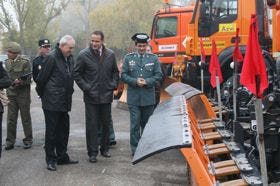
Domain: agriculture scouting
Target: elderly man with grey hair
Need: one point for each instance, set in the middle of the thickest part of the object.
(55, 87)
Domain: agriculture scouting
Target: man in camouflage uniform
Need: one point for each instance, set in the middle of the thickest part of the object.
(19, 96)
(141, 71)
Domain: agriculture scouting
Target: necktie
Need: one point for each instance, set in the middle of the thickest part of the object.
(141, 59)
(97, 52)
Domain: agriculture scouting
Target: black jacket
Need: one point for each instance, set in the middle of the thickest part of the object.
(55, 82)
(5, 82)
(37, 65)
(97, 75)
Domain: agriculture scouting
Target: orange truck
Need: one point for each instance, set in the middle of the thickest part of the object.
(176, 33)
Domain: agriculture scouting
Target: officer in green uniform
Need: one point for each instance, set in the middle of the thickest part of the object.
(141, 71)
(19, 96)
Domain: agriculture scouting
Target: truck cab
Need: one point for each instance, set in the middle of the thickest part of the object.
(217, 20)
(170, 27)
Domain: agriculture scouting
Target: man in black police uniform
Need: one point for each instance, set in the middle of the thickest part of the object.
(44, 49)
(141, 71)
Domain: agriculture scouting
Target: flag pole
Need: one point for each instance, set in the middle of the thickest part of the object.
(219, 97)
(260, 132)
(202, 75)
(202, 65)
(237, 57)
(234, 96)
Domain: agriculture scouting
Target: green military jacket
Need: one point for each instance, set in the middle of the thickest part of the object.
(16, 68)
(148, 68)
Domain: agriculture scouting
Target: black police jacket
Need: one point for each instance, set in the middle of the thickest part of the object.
(37, 65)
(97, 75)
(55, 82)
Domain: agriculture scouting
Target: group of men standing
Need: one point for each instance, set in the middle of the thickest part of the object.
(96, 73)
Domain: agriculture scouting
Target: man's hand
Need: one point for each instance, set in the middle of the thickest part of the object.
(141, 82)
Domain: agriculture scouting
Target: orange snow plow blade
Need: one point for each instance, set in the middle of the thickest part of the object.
(188, 122)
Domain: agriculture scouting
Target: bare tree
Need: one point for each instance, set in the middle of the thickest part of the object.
(54, 8)
(41, 12)
(21, 9)
(6, 19)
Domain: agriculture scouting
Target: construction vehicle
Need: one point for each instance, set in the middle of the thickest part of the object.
(188, 122)
(170, 28)
(218, 20)
(176, 32)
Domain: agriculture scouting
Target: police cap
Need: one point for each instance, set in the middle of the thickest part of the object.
(44, 42)
(140, 38)
(13, 47)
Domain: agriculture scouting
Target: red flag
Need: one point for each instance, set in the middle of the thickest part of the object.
(214, 66)
(237, 55)
(202, 52)
(254, 66)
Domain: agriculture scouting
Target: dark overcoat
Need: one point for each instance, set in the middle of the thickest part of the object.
(97, 75)
(55, 82)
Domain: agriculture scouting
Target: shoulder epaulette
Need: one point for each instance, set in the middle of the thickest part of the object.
(25, 59)
(130, 54)
(150, 54)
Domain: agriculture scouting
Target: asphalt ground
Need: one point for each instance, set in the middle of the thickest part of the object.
(28, 167)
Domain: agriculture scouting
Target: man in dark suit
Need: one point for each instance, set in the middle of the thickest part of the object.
(97, 74)
(55, 87)
(141, 71)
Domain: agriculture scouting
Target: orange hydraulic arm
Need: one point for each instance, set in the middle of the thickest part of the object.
(275, 6)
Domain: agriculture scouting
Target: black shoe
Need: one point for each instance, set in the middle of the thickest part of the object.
(9, 147)
(67, 162)
(92, 159)
(114, 142)
(27, 146)
(106, 154)
(51, 166)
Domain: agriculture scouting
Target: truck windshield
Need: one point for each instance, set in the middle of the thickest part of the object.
(224, 8)
(166, 27)
(214, 12)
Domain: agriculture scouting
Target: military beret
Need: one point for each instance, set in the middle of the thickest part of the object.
(140, 38)
(13, 47)
(44, 42)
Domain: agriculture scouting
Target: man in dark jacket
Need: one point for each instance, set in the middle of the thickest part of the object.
(5, 82)
(44, 50)
(97, 74)
(55, 87)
